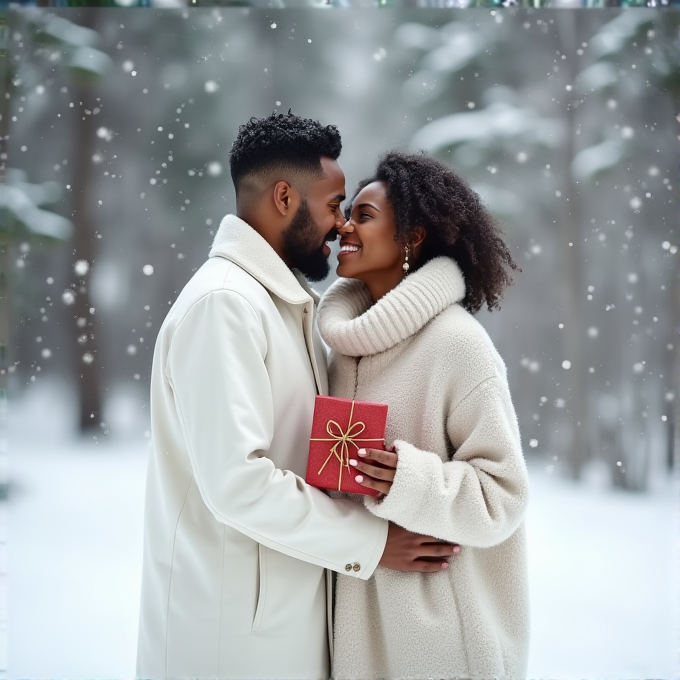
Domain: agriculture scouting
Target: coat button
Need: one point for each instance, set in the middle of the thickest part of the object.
(348, 567)
(304, 311)
(356, 567)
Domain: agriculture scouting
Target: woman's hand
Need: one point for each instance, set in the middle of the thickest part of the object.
(376, 468)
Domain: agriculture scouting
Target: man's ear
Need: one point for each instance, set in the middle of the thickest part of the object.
(286, 198)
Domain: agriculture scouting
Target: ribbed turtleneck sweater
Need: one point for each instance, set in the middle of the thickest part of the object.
(460, 476)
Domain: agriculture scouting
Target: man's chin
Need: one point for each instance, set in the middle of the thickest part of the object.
(316, 271)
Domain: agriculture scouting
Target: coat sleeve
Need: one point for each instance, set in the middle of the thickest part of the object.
(223, 398)
(479, 497)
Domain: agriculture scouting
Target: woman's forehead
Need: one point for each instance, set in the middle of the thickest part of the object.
(373, 192)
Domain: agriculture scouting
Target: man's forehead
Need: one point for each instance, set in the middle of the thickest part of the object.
(331, 182)
(330, 169)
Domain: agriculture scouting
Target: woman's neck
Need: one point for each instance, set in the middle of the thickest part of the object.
(381, 283)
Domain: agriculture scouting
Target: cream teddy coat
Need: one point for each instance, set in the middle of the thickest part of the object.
(460, 476)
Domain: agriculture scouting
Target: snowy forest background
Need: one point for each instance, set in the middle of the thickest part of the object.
(119, 124)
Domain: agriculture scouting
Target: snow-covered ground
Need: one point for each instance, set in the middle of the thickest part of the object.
(603, 564)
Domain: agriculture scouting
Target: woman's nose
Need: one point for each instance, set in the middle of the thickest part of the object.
(345, 225)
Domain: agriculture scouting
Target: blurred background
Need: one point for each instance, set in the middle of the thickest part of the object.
(566, 123)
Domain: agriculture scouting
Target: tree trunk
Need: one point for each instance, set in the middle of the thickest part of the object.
(571, 246)
(5, 88)
(88, 361)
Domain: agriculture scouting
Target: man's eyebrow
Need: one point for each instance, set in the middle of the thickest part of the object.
(339, 197)
(370, 205)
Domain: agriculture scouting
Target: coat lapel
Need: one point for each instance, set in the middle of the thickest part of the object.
(239, 243)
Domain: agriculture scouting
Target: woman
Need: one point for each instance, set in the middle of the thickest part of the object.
(419, 255)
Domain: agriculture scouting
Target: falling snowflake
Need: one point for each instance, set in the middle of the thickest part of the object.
(533, 443)
(88, 358)
(632, 277)
(131, 350)
(211, 87)
(128, 66)
(214, 169)
(81, 267)
(593, 332)
(147, 269)
(46, 353)
(105, 134)
(566, 365)
(627, 132)
(68, 298)
(380, 54)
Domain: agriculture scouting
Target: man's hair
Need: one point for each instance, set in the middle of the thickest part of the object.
(282, 141)
(427, 193)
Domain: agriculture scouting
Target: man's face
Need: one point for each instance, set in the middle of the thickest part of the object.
(315, 222)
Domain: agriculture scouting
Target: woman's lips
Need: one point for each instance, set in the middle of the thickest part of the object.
(345, 253)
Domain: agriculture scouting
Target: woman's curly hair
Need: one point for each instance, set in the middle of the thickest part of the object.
(282, 139)
(427, 193)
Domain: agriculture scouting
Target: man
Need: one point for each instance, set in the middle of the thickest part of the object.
(236, 544)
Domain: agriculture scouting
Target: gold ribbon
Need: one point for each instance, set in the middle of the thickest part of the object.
(343, 440)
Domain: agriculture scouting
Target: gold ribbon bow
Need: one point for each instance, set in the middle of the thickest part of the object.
(343, 440)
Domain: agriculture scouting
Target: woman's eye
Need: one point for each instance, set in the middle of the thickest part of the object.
(362, 215)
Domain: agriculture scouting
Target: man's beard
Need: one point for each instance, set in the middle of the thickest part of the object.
(300, 245)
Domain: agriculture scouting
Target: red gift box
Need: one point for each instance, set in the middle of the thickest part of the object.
(340, 428)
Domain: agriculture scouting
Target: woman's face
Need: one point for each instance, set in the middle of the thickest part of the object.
(368, 251)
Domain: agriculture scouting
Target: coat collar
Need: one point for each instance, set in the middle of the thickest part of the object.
(353, 326)
(239, 243)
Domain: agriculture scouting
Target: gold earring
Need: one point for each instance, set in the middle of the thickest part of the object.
(406, 265)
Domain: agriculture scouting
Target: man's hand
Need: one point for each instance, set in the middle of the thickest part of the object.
(406, 551)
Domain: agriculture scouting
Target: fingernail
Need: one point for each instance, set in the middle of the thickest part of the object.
(359, 478)
(456, 549)
(353, 462)
(445, 565)
(362, 452)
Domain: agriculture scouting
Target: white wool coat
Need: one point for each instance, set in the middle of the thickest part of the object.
(461, 476)
(236, 544)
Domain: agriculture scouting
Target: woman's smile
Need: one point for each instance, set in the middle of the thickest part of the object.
(348, 248)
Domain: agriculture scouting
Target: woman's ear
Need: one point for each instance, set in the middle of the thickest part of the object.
(418, 236)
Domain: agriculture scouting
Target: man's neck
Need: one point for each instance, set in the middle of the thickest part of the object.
(263, 226)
